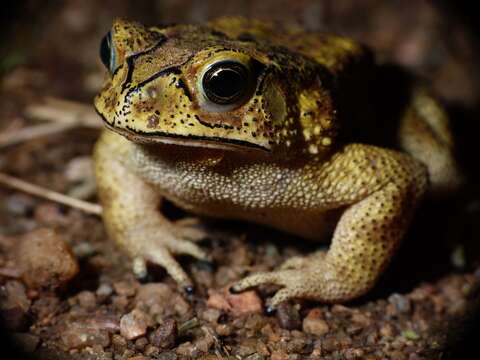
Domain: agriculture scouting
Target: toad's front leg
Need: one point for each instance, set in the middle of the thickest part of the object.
(131, 213)
(364, 240)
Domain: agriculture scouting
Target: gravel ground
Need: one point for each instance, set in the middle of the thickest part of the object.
(66, 291)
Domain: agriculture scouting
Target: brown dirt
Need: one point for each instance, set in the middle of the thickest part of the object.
(418, 310)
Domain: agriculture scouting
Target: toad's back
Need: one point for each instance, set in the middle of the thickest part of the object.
(332, 51)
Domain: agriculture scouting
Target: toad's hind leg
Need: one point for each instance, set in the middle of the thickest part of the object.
(367, 234)
(364, 241)
(425, 134)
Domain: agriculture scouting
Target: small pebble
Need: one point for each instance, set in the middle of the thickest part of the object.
(279, 355)
(45, 259)
(247, 302)
(205, 342)
(125, 288)
(314, 324)
(80, 335)
(119, 343)
(165, 335)
(104, 291)
(353, 354)
(361, 319)
(387, 330)
(167, 355)
(211, 315)
(140, 343)
(159, 300)
(87, 300)
(223, 329)
(152, 351)
(133, 324)
(187, 349)
(288, 316)
(14, 294)
(254, 322)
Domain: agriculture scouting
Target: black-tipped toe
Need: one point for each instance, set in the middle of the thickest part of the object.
(269, 310)
(233, 290)
(189, 289)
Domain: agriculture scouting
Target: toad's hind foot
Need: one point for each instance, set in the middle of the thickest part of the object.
(305, 283)
(301, 277)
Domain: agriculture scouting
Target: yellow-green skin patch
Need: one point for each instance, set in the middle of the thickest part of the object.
(277, 157)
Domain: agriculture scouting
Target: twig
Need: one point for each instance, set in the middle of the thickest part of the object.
(39, 191)
(65, 111)
(188, 325)
(32, 132)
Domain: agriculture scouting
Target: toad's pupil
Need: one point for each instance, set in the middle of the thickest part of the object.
(225, 84)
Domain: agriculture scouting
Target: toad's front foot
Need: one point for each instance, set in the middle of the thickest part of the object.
(158, 245)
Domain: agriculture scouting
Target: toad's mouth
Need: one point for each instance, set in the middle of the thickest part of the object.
(160, 137)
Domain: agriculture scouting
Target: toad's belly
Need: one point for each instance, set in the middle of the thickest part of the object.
(309, 224)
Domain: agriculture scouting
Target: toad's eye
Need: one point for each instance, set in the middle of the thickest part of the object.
(226, 82)
(107, 55)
